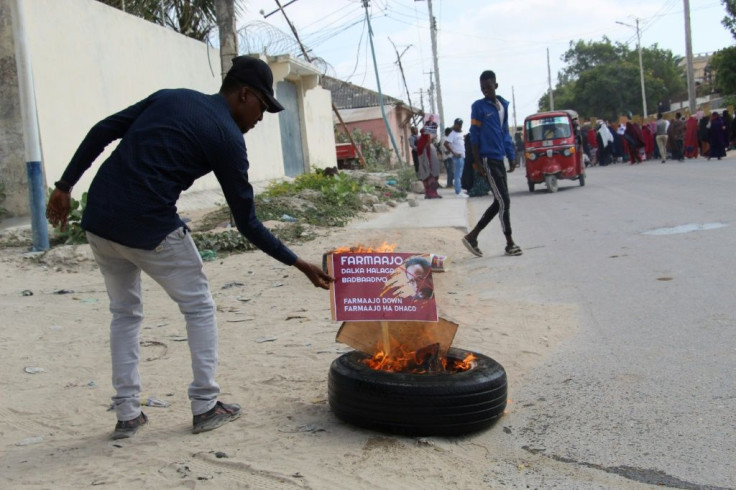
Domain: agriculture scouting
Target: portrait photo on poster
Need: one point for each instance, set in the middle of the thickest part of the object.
(431, 123)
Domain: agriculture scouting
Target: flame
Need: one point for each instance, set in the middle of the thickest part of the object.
(465, 364)
(418, 362)
(384, 247)
(395, 357)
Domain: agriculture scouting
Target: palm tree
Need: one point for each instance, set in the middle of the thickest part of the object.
(193, 18)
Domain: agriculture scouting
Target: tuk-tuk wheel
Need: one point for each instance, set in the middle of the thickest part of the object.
(531, 185)
(582, 180)
(551, 181)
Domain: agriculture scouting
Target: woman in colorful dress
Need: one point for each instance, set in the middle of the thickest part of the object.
(691, 137)
(429, 165)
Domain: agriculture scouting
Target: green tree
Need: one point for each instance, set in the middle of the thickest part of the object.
(193, 18)
(729, 21)
(602, 79)
(723, 64)
(583, 56)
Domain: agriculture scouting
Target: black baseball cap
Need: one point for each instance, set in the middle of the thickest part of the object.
(255, 73)
(459, 121)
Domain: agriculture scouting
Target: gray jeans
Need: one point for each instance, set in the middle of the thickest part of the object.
(175, 265)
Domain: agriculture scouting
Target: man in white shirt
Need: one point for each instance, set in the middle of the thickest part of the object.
(455, 143)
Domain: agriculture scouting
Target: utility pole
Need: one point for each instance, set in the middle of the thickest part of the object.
(641, 71)
(641, 65)
(225, 13)
(513, 101)
(433, 35)
(293, 30)
(401, 69)
(689, 54)
(378, 84)
(421, 99)
(309, 60)
(31, 137)
(430, 93)
(549, 82)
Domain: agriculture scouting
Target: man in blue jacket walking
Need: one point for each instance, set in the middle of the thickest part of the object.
(490, 142)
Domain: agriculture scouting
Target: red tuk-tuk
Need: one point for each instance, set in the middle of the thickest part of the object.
(347, 157)
(553, 150)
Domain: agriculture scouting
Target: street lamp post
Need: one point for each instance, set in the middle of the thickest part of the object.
(641, 64)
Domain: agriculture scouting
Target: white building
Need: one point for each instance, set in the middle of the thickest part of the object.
(89, 61)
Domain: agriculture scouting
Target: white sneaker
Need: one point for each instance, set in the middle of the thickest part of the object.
(461, 196)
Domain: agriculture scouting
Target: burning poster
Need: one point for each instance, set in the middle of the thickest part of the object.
(382, 286)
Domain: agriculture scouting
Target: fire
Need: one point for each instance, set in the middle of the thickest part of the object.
(422, 361)
(400, 348)
(465, 364)
(384, 247)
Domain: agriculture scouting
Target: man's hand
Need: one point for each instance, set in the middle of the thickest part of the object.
(512, 166)
(315, 274)
(58, 207)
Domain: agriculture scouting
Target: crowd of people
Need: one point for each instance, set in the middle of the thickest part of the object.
(603, 143)
(678, 138)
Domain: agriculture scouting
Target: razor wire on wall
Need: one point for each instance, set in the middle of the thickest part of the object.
(259, 37)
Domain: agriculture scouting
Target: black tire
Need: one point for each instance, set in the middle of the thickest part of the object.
(582, 180)
(531, 185)
(446, 404)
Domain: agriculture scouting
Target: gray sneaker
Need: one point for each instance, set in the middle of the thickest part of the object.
(513, 250)
(220, 414)
(128, 428)
(472, 245)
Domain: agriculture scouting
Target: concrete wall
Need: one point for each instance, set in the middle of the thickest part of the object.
(90, 60)
(12, 158)
(317, 116)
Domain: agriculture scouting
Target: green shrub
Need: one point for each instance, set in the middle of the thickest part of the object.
(405, 177)
(226, 241)
(336, 203)
(230, 241)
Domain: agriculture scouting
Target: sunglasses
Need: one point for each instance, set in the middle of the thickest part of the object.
(264, 105)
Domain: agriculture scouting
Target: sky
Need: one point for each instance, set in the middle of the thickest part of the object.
(510, 37)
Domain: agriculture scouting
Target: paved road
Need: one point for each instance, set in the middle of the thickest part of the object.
(646, 388)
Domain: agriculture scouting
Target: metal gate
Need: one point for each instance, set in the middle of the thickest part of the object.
(291, 134)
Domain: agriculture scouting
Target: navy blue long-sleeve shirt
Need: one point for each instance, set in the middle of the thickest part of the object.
(169, 140)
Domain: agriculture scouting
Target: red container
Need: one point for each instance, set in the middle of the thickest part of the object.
(347, 157)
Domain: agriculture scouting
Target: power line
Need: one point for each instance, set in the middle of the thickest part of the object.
(326, 36)
(357, 55)
(333, 25)
(330, 14)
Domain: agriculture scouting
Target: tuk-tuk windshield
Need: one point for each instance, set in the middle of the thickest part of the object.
(548, 128)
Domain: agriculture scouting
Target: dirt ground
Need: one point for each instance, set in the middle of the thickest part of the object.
(276, 345)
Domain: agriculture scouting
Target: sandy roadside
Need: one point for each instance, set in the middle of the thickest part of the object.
(276, 345)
